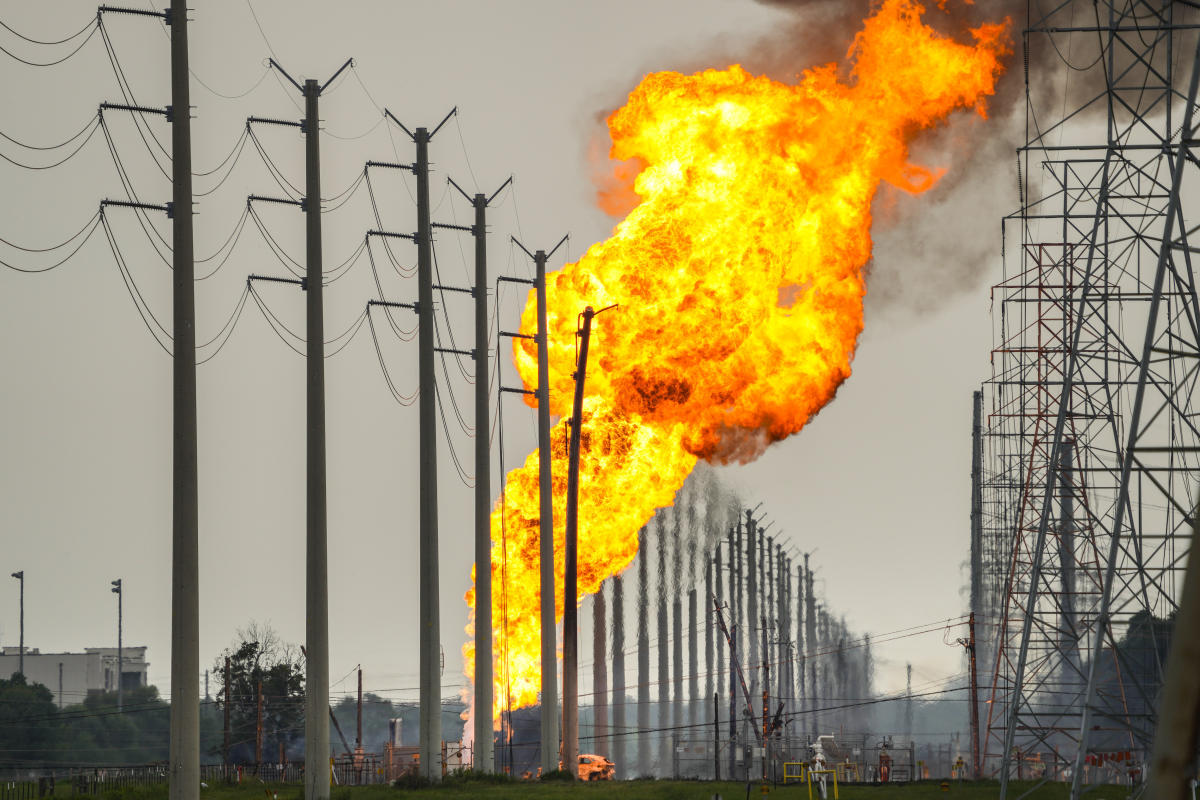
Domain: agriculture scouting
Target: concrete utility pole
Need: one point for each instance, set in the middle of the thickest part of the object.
(20, 576)
(618, 678)
(549, 639)
(484, 756)
(429, 586)
(185, 572)
(316, 634)
(570, 600)
(975, 765)
(116, 589)
(358, 740)
(546, 532)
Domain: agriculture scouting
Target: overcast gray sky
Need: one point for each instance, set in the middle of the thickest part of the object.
(877, 484)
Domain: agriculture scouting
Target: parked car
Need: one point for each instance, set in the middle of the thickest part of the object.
(595, 768)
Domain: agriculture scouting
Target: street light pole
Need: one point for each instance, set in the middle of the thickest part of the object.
(116, 589)
(21, 651)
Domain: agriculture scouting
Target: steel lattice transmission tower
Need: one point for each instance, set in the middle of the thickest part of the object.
(1092, 443)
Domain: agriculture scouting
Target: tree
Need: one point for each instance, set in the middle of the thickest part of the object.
(258, 657)
(29, 729)
(95, 732)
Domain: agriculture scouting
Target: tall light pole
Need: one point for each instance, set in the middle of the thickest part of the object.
(21, 652)
(116, 589)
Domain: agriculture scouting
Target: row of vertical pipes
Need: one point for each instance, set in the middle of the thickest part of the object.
(755, 581)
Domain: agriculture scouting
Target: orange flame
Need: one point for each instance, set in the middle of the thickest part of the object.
(739, 282)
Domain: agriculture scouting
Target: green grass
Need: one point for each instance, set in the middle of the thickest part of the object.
(467, 787)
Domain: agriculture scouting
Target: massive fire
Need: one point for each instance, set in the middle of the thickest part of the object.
(739, 283)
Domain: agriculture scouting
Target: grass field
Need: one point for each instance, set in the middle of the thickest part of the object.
(463, 789)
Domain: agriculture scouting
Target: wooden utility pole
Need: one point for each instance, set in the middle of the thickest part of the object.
(570, 600)
(716, 736)
(258, 728)
(975, 765)
(228, 733)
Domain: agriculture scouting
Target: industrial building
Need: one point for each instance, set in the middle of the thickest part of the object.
(74, 676)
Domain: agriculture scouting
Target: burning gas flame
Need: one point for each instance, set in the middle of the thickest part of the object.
(739, 282)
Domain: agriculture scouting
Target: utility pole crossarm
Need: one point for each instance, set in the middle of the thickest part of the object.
(390, 165)
(140, 12)
(515, 390)
(164, 207)
(289, 123)
(286, 201)
(392, 304)
(166, 112)
(526, 281)
(412, 237)
(301, 282)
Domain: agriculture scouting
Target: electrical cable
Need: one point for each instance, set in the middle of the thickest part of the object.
(140, 213)
(272, 320)
(227, 329)
(469, 378)
(139, 302)
(230, 243)
(402, 399)
(404, 272)
(56, 62)
(91, 131)
(86, 232)
(467, 480)
(346, 195)
(290, 264)
(86, 127)
(235, 154)
(127, 92)
(286, 186)
(91, 21)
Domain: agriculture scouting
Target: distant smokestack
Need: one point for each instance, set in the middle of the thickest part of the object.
(752, 603)
(664, 665)
(643, 655)
(619, 738)
(599, 675)
(693, 666)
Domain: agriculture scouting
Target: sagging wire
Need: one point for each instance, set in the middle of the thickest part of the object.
(85, 232)
(127, 92)
(143, 308)
(402, 271)
(402, 399)
(93, 24)
(89, 130)
(131, 194)
(287, 187)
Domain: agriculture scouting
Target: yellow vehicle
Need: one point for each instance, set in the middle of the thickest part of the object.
(595, 768)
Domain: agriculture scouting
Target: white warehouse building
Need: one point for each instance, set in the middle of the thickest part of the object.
(73, 676)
